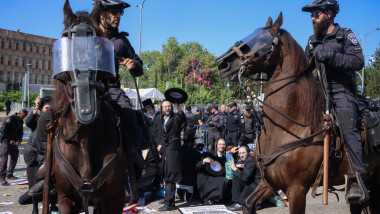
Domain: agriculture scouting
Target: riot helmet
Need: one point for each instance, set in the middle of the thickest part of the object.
(323, 5)
(107, 4)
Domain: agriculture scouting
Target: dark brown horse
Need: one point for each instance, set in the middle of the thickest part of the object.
(293, 91)
(90, 154)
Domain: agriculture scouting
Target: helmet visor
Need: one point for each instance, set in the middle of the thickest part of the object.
(83, 53)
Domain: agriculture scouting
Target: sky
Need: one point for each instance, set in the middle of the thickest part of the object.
(215, 24)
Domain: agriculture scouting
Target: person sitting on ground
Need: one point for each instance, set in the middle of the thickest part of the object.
(245, 180)
(211, 180)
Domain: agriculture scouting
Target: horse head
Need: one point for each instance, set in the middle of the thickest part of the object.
(81, 61)
(258, 52)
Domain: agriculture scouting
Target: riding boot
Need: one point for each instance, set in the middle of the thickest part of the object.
(356, 191)
(40, 174)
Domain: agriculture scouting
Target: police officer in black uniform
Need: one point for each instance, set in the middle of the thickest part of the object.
(107, 14)
(234, 125)
(249, 127)
(215, 122)
(339, 50)
(189, 131)
(11, 136)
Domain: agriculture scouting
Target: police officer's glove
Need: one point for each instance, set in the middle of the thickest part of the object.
(324, 56)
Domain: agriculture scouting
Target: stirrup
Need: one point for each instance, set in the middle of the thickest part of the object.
(348, 181)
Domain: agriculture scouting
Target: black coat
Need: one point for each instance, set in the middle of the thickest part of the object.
(190, 158)
(171, 147)
(12, 128)
(41, 135)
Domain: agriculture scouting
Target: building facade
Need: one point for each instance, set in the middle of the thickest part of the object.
(18, 49)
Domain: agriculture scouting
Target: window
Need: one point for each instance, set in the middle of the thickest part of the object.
(16, 61)
(2, 43)
(44, 49)
(36, 64)
(23, 62)
(10, 44)
(31, 47)
(50, 50)
(1, 60)
(23, 46)
(16, 45)
(48, 65)
(9, 60)
(36, 48)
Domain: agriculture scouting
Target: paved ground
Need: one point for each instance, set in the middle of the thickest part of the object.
(12, 193)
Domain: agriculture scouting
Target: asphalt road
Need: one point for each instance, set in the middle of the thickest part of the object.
(314, 205)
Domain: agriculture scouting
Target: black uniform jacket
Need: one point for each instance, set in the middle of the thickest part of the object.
(171, 147)
(12, 128)
(347, 57)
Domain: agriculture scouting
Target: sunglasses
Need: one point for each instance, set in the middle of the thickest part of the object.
(316, 14)
(115, 11)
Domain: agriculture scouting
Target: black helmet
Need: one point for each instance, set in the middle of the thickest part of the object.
(106, 4)
(322, 5)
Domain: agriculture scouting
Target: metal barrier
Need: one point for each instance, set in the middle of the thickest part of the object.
(201, 134)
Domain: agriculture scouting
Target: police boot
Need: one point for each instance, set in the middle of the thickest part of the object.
(356, 192)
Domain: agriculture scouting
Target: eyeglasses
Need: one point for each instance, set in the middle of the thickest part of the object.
(316, 14)
(115, 11)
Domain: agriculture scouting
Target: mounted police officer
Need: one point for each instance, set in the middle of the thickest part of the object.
(340, 52)
(107, 14)
(234, 125)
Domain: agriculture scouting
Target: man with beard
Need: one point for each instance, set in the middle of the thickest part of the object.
(170, 151)
(339, 50)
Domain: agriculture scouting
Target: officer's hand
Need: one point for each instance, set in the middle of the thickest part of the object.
(323, 56)
(129, 63)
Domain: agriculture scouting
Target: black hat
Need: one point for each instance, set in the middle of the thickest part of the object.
(214, 106)
(248, 107)
(232, 104)
(322, 5)
(147, 103)
(215, 168)
(199, 146)
(176, 95)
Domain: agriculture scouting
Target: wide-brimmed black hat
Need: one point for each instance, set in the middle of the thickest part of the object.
(215, 168)
(147, 103)
(176, 95)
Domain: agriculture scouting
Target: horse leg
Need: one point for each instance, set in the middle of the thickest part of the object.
(297, 199)
(65, 205)
(261, 193)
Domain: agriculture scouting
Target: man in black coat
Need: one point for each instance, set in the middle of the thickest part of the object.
(245, 180)
(170, 151)
(11, 137)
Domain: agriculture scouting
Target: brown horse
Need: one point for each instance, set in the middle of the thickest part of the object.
(90, 154)
(293, 112)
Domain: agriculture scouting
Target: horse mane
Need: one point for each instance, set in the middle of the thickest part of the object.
(309, 94)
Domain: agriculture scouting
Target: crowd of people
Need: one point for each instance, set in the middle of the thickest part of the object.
(219, 168)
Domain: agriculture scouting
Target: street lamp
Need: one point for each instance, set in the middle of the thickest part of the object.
(29, 66)
(137, 79)
(363, 38)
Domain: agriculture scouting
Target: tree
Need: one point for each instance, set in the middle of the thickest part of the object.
(372, 76)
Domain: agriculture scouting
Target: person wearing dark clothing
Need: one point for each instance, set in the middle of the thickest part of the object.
(206, 114)
(30, 151)
(245, 179)
(170, 151)
(190, 158)
(339, 51)
(215, 123)
(234, 125)
(11, 136)
(198, 117)
(212, 187)
(108, 14)
(260, 122)
(7, 106)
(189, 131)
(224, 114)
(249, 127)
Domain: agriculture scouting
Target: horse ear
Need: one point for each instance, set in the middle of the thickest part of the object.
(95, 10)
(278, 23)
(67, 14)
(269, 23)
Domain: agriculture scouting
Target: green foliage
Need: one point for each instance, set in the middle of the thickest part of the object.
(14, 96)
(372, 77)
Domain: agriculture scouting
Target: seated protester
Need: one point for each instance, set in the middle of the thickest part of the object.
(190, 158)
(230, 156)
(245, 180)
(211, 183)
